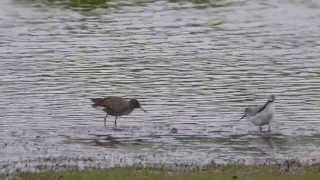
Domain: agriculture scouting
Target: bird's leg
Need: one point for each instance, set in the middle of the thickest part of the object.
(115, 121)
(269, 128)
(105, 121)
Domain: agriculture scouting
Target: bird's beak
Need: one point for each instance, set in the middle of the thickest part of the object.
(243, 116)
(143, 109)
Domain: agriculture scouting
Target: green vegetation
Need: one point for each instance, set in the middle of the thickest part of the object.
(231, 172)
(88, 3)
(82, 4)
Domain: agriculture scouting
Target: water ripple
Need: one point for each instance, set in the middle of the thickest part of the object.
(193, 66)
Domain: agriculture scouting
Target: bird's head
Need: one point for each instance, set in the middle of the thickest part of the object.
(134, 103)
(272, 98)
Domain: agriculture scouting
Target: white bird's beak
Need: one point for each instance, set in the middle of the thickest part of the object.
(243, 116)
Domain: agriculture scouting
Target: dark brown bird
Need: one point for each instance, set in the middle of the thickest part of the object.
(116, 106)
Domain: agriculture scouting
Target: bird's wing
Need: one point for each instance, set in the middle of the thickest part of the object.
(116, 104)
(253, 110)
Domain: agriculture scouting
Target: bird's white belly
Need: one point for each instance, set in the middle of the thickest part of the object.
(262, 118)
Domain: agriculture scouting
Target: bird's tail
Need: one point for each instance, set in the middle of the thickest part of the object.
(97, 102)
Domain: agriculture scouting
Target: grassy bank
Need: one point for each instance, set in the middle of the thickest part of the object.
(214, 173)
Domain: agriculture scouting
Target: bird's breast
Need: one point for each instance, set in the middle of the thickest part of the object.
(263, 117)
(118, 112)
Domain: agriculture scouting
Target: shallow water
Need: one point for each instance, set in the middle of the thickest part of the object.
(193, 66)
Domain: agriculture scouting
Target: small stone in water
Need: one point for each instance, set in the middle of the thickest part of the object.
(174, 131)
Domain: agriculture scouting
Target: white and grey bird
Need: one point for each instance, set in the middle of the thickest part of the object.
(261, 115)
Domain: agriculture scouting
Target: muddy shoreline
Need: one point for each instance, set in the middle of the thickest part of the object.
(80, 164)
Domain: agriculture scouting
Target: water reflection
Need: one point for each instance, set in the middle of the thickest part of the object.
(88, 5)
(205, 3)
(83, 5)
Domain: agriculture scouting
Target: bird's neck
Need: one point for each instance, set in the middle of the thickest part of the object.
(265, 106)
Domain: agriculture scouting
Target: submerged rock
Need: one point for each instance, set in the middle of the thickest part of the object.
(174, 131)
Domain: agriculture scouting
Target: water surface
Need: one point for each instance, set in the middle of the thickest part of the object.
(194, 65)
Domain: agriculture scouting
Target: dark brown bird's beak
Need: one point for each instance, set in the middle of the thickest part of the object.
(143, 109)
